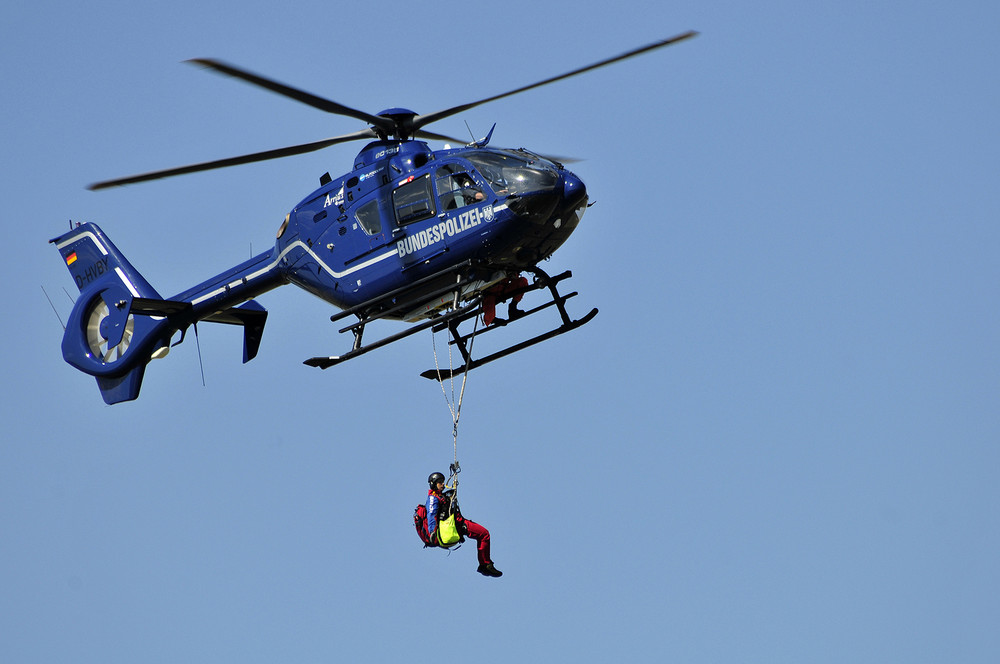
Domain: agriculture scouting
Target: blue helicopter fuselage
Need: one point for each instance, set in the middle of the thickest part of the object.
(405, 212)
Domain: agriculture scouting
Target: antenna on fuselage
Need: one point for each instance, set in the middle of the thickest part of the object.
(201, 364)
(54, 308)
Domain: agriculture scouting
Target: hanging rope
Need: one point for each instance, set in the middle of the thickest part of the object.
(454, 406)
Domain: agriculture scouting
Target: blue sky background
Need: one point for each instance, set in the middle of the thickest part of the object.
(776, 443)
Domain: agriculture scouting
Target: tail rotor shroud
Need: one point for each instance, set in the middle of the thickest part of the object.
(97, 336)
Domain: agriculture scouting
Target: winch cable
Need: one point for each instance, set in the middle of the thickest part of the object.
(455, 407)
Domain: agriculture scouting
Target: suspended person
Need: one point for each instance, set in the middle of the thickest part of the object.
(439, 506)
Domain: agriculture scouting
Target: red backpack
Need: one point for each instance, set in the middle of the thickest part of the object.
(420, 523)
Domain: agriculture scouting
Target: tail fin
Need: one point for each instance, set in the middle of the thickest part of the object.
(119, 323)
(103, 338)
(92, 258)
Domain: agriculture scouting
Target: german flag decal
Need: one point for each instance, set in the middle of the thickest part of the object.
(71, 258)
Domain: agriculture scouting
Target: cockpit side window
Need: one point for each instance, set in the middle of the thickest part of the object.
(457, 189)
(369, 218)
(414, 201)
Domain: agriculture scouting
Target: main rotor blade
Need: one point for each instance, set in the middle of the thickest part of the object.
(422, 120)
(235, 161)
(294, 93)
(430, 135)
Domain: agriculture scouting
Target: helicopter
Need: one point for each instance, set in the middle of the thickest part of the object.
(429, 237)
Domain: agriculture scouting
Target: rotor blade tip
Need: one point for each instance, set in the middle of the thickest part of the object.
(202, 62)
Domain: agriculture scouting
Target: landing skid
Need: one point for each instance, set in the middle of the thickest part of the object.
(462, 278)
(542, 281)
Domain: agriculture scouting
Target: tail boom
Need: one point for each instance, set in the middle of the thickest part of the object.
(119, 322)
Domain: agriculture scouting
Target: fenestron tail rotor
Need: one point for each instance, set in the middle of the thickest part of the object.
(396, 124)
(96, 340)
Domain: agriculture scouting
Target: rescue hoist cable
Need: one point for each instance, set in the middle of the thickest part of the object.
(455, 407)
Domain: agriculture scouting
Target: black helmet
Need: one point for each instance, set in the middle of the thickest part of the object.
(434, 479)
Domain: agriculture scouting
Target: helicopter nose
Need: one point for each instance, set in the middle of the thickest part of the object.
(574, 191)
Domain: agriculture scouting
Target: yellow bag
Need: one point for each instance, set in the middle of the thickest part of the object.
(447, 532)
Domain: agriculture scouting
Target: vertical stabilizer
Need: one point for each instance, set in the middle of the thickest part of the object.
(103, 337)
(92, 258)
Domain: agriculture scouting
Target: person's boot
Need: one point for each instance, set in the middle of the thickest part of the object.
(487, 569)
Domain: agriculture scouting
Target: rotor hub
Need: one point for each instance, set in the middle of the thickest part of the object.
(402, 119)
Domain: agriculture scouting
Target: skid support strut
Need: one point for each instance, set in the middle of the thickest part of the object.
(462, 279)
(542, 280)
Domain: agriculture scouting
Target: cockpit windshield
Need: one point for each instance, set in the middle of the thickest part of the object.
(512, 172)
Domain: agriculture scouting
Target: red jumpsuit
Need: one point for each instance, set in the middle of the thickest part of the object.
(436, 507)
(497, 293)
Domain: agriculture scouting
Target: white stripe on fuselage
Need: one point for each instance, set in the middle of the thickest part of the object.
(298, 243)
(326, 268)
(82, 235)
(270, 266)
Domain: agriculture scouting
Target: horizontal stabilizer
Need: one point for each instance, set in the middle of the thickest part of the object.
(252, 317)
(149, 307)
